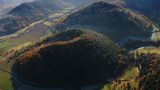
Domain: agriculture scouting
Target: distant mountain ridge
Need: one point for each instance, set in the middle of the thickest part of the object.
(149, 8)
(39, 7)
(5, 8)
(118, 23)
(15, 2)
(78, 2)
(26, 13)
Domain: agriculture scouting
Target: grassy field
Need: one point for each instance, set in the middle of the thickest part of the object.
(4, 45)
(5, 78)
(47, 23)
(5, 83)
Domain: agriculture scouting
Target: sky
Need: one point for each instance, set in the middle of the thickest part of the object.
(6, 4)
(16, 2)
